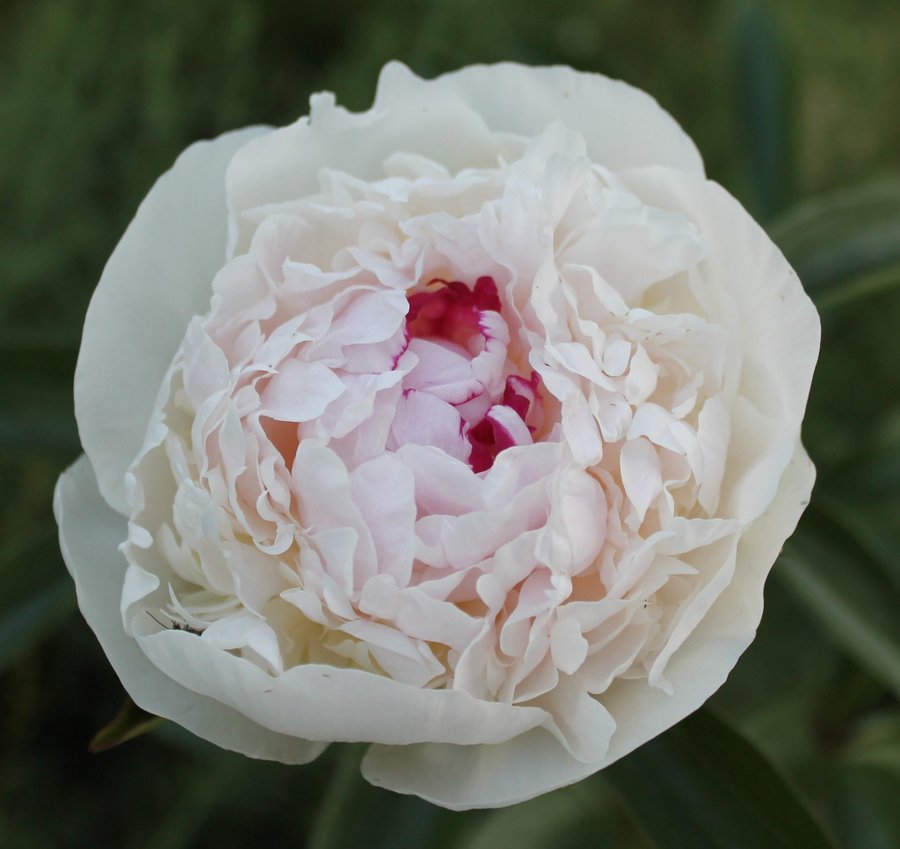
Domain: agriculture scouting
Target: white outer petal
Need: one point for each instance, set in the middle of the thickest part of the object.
(331, 704)
(465, 777)
(453, 120)
(158, 277)
(89, 534)
(430, 121)
(624, 127)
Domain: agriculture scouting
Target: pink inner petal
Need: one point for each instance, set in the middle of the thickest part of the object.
(460, 339)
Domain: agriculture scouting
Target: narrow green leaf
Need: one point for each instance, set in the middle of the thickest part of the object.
(703, 785)
(354, 813)
(130, 722)
(841, 586)
(542, 822)
(876, 744)
(760, 100)
(874, 524)
(863, 496)
(845, 244)
(866, 284)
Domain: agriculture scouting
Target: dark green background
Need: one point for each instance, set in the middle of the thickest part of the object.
(796, 109)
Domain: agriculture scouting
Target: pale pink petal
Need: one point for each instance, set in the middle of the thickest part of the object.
(300, 391)
(383, 491)
(641, 474)
(423, 419)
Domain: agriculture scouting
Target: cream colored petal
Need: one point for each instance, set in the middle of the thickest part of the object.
(623, 126)
(464, 777)
(319, 702)
(702, 663)
(779, 327)
(90, 533)
(158, 277)
(418, 118)
(774, 327)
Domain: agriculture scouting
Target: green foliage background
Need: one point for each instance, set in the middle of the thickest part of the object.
(796, 108)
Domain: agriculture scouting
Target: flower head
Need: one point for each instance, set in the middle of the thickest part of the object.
(476, 441)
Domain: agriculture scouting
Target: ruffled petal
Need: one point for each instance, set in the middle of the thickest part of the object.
(622, 126)
(703, 662)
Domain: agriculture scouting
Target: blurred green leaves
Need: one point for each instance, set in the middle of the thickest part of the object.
(701, 784)
(25, 625)
(863, 495)
(846, 590)
(583, 815)
(789, 101)
(761, 102)
(354, 813)
(36, 384)
(845, 245)
(844, 562)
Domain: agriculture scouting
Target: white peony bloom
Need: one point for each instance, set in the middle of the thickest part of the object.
(471, 431)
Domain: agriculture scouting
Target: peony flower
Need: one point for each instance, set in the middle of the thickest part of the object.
(471, 431)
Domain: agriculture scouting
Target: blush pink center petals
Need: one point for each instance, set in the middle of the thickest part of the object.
(461, 339)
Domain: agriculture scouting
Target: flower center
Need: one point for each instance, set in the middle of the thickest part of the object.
(463, 395)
